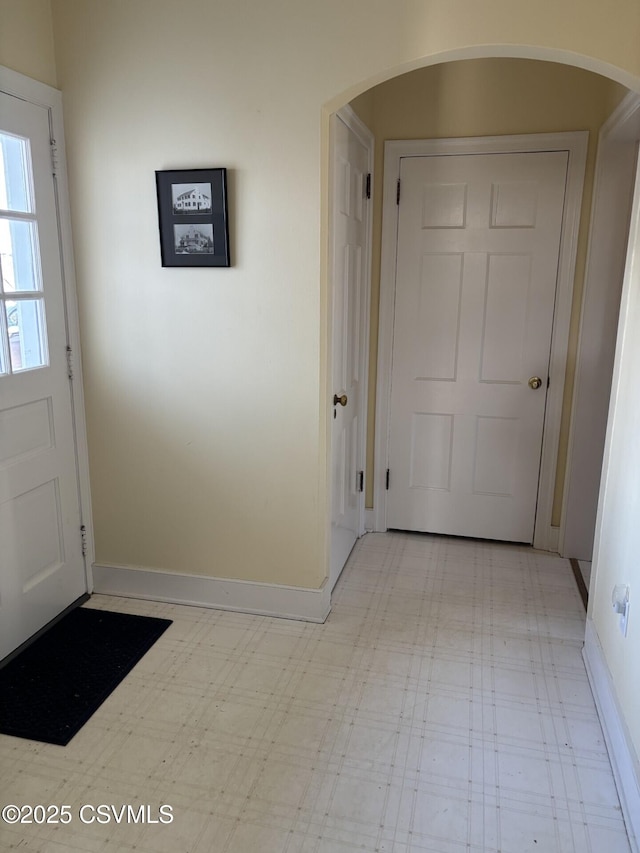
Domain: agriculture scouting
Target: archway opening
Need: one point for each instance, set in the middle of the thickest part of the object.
(489, 96)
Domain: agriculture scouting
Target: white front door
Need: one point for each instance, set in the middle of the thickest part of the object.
(350, 217)
(40, 538)
(477, 263)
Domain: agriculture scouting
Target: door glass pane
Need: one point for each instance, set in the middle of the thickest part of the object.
(18, 256)
(27, 333)
(15, 184)
(3, 357)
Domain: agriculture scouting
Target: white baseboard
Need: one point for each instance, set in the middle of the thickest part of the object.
(369, 520)
(625, 764)
(287, 602)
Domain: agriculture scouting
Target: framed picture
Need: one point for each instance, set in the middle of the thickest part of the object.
(192, 215)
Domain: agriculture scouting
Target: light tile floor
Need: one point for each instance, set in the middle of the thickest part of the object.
(443, 707)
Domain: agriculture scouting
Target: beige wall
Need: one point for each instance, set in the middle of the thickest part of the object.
(26, 39)
(482, 98)
(202, 387)
(607, 31)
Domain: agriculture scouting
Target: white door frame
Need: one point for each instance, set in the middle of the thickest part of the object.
(575, 143)
(615, 174)
(38, 93)
(365, 136)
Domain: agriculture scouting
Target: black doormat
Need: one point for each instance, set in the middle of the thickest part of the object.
(50, 690)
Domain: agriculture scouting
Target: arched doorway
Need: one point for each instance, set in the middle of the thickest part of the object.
(481, 97)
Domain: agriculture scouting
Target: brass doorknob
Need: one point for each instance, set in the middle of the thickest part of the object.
(342, 400)
(535, 382)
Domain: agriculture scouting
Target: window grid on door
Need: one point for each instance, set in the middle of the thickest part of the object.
(23, 338)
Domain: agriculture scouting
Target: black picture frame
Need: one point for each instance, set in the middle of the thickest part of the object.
(192, 217)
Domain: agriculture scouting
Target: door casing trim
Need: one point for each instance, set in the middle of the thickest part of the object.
(575, 143)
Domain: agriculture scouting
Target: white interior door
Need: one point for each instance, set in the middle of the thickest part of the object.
(350, 248)
(477, 263)
(40, 538)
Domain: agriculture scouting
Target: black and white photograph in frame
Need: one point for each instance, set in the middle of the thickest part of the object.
(192, 217)
(193, 239)
(191, 198)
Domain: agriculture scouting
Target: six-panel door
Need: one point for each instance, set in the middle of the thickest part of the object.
(478, 246)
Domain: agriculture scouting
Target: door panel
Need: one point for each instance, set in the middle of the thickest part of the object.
(350, 242)
(478, 246)
(42, 564)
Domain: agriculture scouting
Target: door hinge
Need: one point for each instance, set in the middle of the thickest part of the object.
(53, 146)
(398, 192)
(69, 362)
(548, 381)
(387, 479)
(83, 538)
(367, 186)
(361, 481)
